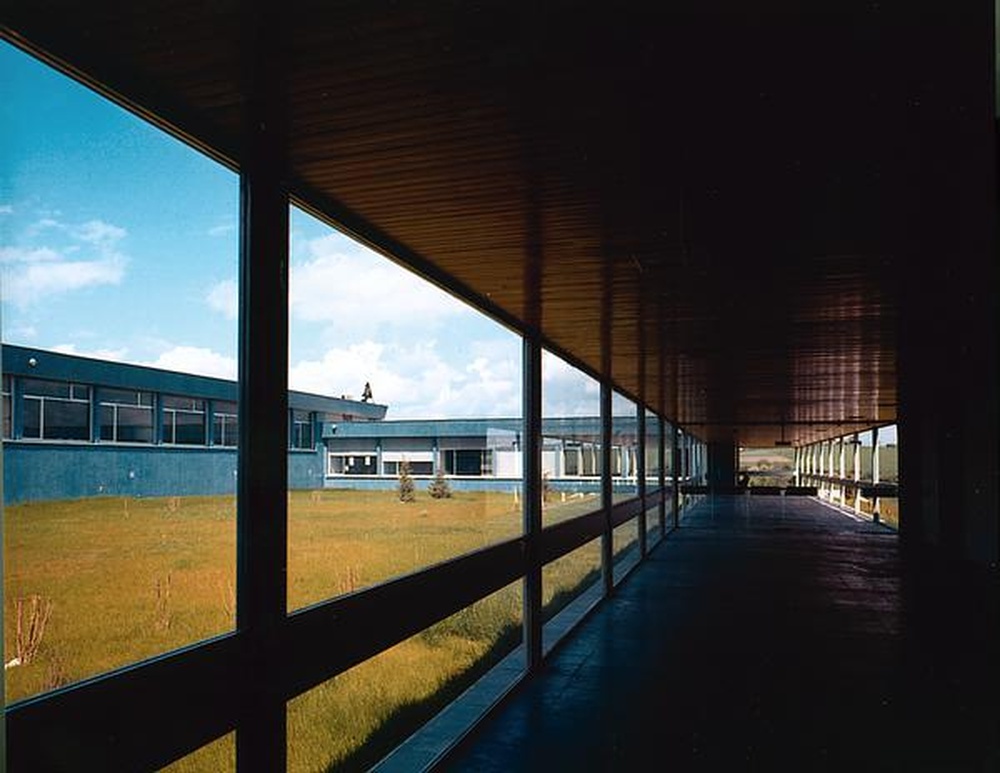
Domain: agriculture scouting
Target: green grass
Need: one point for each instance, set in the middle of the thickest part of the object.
(132, 578)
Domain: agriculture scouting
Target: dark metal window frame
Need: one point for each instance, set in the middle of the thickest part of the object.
(43, 400)
(169, 414)
(109, 399)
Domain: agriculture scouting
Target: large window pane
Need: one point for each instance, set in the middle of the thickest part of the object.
(571, 470)
(351, 721)
(571, 441)
(865, 438)
(652, 470)
(570, 586)
(888, 472)
(119, 276)
(683, 462)
(668, 469)
(416, 399)
(624, 480)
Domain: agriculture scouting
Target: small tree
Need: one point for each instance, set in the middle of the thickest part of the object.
(439, 487)
(546, 488)
(407, 491)
(32, 614)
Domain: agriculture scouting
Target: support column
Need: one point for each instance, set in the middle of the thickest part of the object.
(262, 481)
(857, 473)
(661, 510)
(842, 471)
(876, 515)
(640, 473)
(607, 537)
(531, 450)
(675, 465)
(721, 466)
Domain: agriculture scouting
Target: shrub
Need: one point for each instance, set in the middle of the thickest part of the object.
(439, 487)
(407, 491)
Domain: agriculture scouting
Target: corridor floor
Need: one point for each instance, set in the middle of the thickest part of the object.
(766, 633)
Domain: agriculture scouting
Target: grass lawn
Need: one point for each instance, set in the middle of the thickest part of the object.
(130, 578)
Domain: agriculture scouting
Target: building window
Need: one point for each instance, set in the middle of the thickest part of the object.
(183, 420)
(571, 459)
(126, 416)
(353, 464)
(225, 425)
(302, 430)
(464, 462)
(56, 410)
(391, 469)
(7, 412)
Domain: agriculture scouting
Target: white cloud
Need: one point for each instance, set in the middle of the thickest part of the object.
(196, 359)
(224, 297)
(414, 381)
(6, 209)
(352, 290)
(567, 391)
(117, 355)
(222, 229)
(39, 274)
(34, 273)
(14, 255)
(99, 233)
(360, 289)
(44, 224)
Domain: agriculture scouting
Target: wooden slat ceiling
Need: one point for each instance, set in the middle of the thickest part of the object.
(707, 193)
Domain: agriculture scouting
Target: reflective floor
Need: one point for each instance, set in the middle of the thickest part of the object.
(767, 633)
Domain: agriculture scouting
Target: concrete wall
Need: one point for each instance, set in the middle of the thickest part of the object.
(458, 483)
(42, 471)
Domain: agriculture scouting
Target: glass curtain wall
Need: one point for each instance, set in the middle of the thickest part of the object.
(669, 457)
(571, 475)
(624, 480)
(653, 467)
(888, 472)
(428, 468)
(121, 423)
(119, 273)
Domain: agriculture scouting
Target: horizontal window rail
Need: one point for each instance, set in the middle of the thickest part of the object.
(376, 618)
(138, 718)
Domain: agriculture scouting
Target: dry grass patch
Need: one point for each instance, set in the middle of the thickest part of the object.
(129, 579)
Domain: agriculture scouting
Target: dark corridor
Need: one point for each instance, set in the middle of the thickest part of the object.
(767, 633)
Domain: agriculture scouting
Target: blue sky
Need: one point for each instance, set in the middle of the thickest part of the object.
(118, 241)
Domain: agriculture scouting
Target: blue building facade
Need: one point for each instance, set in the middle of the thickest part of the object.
(81, 427)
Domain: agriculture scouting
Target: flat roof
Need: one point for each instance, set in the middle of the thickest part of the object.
(576, 427)
(29, 362)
